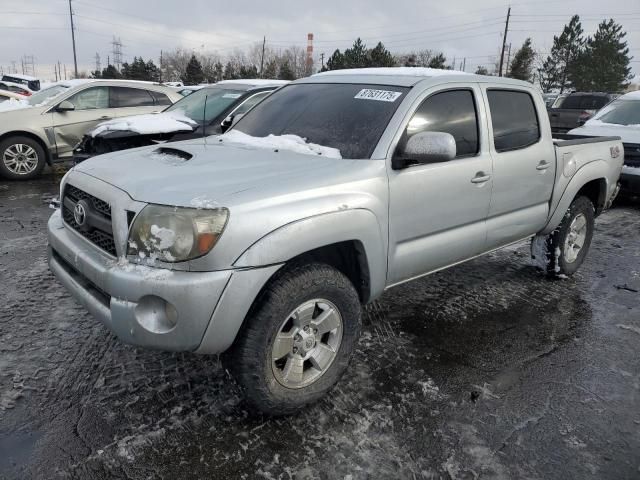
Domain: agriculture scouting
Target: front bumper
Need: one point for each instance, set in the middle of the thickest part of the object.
(154, 307)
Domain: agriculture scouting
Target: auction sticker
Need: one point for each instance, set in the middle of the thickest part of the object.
(379, 95)
(232, 95)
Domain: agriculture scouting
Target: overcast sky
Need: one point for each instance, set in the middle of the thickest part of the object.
(459, 28)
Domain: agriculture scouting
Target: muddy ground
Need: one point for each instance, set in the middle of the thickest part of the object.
(487, 370)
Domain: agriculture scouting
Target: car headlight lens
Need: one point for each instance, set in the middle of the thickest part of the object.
(175, 234)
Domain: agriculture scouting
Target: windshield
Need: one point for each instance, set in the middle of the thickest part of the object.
(218, 99)
(621, 112)
(44, 96)
(348, 117)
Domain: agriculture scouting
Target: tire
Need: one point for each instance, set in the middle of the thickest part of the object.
(564, 250)
(301, 295)
(21, 158)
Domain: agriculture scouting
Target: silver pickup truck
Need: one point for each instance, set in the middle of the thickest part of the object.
(263, 243)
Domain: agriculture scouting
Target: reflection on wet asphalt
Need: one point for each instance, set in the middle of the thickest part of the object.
(487, 370)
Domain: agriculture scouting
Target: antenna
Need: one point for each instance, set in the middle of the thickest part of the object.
(204, 119)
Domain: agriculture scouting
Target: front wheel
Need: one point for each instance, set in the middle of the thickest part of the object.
(563, 251)
(21, 158)
(297, 340)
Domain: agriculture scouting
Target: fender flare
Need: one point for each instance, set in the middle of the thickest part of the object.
(588, 173)
(307, 234)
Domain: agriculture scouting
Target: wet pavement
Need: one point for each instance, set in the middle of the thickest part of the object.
(487, 370)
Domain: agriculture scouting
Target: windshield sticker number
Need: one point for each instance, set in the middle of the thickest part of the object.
(232, 95)
(379, 95)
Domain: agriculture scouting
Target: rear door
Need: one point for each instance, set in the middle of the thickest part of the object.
(91, 107)
(524, 164)
(125, 101)
(437, 211)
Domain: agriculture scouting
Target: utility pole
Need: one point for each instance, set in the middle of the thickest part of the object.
(97, 57)
(65, 71)
(264, 41)
(504, 40)
(506, 70)
(464, 64)
(160, 66)
(73, 40)
(322, 59)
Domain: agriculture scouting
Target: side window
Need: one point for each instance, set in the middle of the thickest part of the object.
(160, 98)
(91, 98)
(452, 112)
(130, 97)
(250, 102)
(514, 119)
(572, 102)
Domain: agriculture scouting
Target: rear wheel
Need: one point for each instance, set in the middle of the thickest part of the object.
(297, 340)
(563, 251)
(21, 158)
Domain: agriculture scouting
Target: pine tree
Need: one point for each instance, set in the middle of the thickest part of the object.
(548, 74)
(110, 72)
(271, 69)
(522, 64)
(356, 56)
(379, 56)
(286, 73)
(438, 61)
(336, 61)
(603, 66)
(230, 72)
(560, 67)
(193, 74)
(248, 71)
(481, 70)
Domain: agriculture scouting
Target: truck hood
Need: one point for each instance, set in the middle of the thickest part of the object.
(628, 133)
(205, 172)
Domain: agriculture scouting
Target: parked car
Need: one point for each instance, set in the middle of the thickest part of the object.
(184, 119)
(184, 91)
(6, 95)
(264, 242)
(620, 118)
(16, 88)
(575, 109)
(48, 130)
(30, 82)
(550, 98)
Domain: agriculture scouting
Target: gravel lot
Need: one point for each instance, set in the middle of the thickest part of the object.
(487, 370)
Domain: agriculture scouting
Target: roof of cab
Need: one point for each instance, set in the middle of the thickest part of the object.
(402, 76)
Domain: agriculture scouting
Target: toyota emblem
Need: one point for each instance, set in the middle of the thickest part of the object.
(79, 214)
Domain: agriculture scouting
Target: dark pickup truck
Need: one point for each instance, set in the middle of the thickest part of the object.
(575, 109)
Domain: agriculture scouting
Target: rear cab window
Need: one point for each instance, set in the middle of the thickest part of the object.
(514, 119)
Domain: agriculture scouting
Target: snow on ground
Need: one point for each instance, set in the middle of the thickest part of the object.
(292, 143)
(394, 71)
(165, 122)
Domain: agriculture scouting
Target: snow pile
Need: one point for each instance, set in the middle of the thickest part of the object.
(13, 104)
(165, 122)
(394, 71)
(292, 143)
(203, 202)
(163, 237)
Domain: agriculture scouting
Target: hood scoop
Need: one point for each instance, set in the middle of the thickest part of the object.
(176, 153)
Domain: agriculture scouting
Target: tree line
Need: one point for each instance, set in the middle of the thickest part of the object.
(593, 63)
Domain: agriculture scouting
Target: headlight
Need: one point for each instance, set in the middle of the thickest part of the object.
(175, 234)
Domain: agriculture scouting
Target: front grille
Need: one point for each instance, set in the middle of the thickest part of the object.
(98, 228)
(631, 154)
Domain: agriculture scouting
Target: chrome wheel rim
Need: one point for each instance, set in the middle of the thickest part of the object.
(575, 238)
(307, 343)
(20, 159)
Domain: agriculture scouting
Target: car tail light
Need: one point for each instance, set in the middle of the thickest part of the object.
(585, 115)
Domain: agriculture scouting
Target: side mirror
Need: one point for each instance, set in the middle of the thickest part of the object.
(230, 121)
(426, 147)
(65, 106)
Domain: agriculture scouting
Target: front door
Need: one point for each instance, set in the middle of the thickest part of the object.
(437, 211)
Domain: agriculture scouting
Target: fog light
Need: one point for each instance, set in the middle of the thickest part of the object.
(156, 315)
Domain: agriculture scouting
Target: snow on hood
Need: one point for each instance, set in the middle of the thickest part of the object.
(164, 122)
(13, 104)
(215, 173)
(292, 143)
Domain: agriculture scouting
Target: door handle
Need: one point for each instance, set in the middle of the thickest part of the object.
(542, 165)
(554, 114)
(481, 178)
